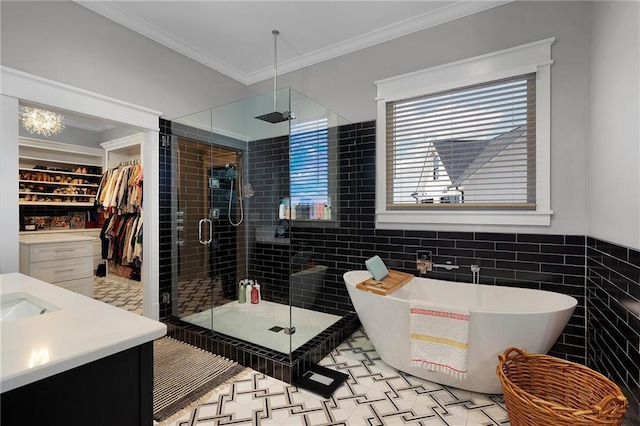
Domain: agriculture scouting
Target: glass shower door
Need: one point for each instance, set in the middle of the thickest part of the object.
(195, 279)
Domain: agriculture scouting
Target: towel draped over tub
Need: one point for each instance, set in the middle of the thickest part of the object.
(439, 337)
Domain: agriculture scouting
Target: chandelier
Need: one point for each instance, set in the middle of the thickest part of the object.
(43, 122)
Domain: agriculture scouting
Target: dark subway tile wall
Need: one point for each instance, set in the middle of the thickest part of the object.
(268, 172)
(166, 223)
(613, 317)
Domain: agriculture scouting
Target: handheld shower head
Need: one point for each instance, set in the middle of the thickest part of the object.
(232, 173)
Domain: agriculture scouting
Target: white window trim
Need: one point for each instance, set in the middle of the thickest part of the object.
(532, 57)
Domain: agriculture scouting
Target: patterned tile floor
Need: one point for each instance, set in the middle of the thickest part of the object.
(120, 294)
(373, 395)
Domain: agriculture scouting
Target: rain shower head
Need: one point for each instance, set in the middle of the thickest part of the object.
(275, 116)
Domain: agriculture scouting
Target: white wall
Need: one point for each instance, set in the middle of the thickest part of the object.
(345, 84)
(66, 42)
(614, 117)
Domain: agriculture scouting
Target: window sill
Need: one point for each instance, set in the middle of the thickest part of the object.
(423, 220)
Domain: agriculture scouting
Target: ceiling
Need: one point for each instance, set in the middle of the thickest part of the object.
(235, 37)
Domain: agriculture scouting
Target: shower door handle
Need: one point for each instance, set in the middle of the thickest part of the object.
(205, 242)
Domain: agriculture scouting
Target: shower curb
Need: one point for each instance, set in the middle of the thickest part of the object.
(272, 363)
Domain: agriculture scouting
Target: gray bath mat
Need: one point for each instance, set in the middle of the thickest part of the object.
(184, 375)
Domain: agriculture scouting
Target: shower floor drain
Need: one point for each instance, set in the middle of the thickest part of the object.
(276, 329)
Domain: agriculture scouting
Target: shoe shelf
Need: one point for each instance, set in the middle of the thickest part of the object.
(54, 174)
(38, 182)
(56, 203)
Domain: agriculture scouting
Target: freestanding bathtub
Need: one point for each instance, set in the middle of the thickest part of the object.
(500, 317)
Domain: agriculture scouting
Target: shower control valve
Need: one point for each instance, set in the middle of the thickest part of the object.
(423, 261)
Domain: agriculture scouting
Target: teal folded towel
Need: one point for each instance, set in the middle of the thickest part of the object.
(376, 268)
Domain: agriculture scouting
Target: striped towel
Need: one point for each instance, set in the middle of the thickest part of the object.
(439, 337)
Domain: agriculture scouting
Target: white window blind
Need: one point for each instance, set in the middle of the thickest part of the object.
(470, 147)
(309, 163)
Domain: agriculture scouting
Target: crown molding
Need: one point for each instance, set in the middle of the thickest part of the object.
(87, 125)
(115, 13)
(447, 13)
(457, 10)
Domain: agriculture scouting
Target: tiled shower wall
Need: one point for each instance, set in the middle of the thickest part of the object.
(268, 172)
(613, 332)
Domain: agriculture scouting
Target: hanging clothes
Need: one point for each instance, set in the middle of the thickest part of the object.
(120, 189)
(120, 196)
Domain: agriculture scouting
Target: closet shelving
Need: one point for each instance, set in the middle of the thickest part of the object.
(57, 174)
(57, 187)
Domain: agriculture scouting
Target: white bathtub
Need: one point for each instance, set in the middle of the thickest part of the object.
(500, 317)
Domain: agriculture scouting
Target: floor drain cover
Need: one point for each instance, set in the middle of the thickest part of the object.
(276, 328)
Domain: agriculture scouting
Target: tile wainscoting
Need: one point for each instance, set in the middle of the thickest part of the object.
(613, 317)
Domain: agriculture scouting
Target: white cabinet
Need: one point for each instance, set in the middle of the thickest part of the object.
(86, 232)
(64, 260)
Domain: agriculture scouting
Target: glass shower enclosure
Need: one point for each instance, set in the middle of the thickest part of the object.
(245, 177)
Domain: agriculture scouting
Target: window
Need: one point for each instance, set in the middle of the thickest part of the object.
(467, 147)
(309, 162)
(466, 143)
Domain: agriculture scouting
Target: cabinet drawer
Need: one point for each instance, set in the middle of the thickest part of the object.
(60, 250)
(54, 271)
(82, 286)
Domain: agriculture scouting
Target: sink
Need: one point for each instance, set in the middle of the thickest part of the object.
(16, 306)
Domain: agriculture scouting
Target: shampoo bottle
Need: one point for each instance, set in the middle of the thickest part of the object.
(242, 293)
(254, 295)
(247, 291)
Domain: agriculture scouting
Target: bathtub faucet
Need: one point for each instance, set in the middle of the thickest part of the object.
(475, 271)
(425, 264)
(447, 265)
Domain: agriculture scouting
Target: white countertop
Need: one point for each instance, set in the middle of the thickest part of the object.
(81, 331)
(52, 238)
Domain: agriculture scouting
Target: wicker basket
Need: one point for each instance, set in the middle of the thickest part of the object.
(543, 390)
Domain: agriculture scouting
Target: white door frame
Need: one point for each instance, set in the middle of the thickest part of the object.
(17, 86)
